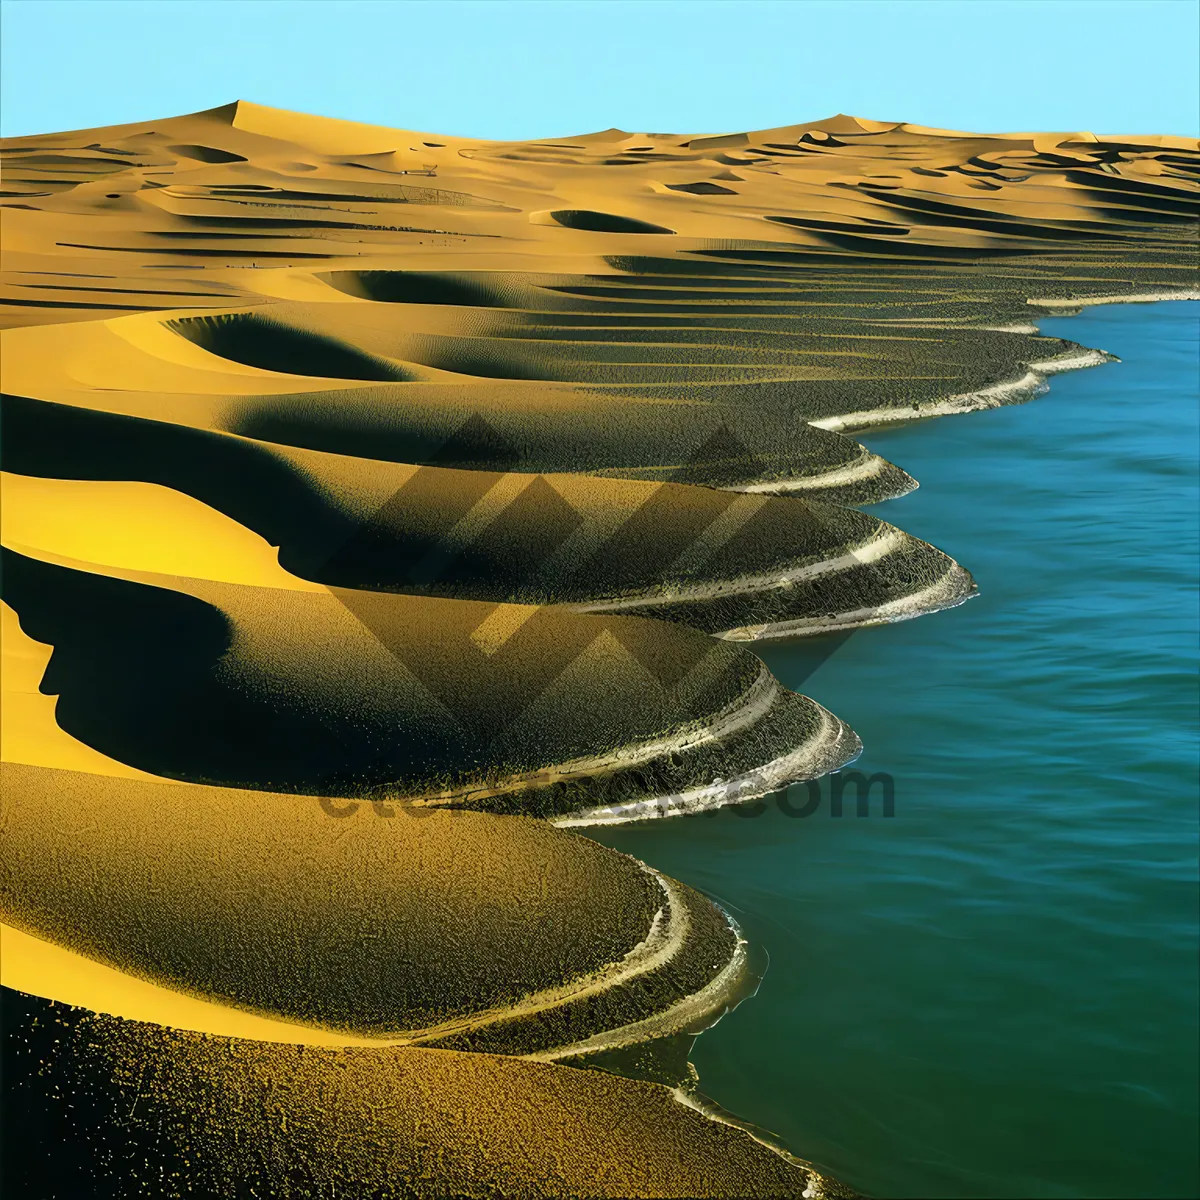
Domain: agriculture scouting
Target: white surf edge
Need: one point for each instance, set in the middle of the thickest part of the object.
(693, 1014)
(884, 540)
(1137, 298)
(815, 1187)
(1032, 383)
(865, 466)
(794, 767)
(947, 592)
(1029, 385)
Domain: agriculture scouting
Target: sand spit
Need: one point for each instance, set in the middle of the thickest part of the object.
(1014, 391)
(1143, 298)
(396, 961)
(956, 586)
(832, 745)
(692, 1013)
(126, 1105)
(906, 578)
(353, 471)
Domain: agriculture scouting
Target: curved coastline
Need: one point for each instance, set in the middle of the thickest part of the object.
(1131, 421)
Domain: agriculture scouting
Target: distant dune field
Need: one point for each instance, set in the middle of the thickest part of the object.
(379, 506)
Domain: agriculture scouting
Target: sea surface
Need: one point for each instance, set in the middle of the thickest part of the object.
(993, 992)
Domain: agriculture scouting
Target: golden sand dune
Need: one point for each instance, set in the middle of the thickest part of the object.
(153, 1109)
(353, 471)
(379, 926)
(248, 162)
(719, 560)
(517, 708)
(283, 384)
(335, 931)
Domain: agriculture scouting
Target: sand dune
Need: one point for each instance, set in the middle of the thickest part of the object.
(353, 470)
(718, 560)
(160, 1105)
(255, 683)
(378, 927)
(422, 415)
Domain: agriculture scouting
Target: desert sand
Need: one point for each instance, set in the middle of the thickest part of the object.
(375, 502)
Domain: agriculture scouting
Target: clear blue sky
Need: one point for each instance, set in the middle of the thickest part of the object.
(552, 67)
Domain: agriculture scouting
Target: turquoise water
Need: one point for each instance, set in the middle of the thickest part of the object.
(994, 992)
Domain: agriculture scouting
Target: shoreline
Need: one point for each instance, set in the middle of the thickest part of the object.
(301, 355)
(29, 956)
(751, 785)
(1011, 391)
(995, 395)
(959, 776)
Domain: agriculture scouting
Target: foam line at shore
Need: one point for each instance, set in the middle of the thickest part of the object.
(840, 743)
(1011, 391)
(954, 588)
(875, 548)
(693, 1014)
(1138, 298)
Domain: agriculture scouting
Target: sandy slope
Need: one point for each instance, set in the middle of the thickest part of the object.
(163, 1112)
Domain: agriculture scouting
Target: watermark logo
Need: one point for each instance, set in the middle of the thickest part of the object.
(841, 793)
(424, 540)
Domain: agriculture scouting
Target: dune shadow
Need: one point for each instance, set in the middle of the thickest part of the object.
(130, 665)
(415, 287)
(207, 154)
(152, 678)
(600, 222)
(270, 345)
(250, 483)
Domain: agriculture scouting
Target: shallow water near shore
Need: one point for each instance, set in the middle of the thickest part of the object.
(994, 992)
